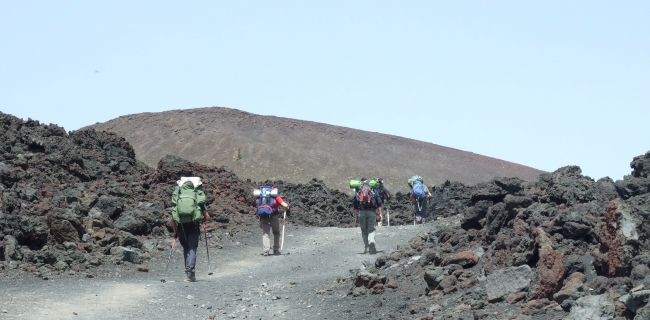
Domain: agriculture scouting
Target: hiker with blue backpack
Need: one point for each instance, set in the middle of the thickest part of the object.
(267, 203)
(419, 196)
(188, 212)
(367, 211)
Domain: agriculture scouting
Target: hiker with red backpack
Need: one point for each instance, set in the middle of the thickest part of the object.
(419, 196)
(367, 205)
(267, 203)
(188, 212)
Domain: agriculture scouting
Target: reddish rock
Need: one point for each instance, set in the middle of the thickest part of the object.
(434, 293)
(541, 306)
(551, 273)
(465, 259)
(142, 268)
(468, 283)
(610, 245)
(516, 297)
(427, 317)
(449, 290)
(377, 289)
(418, 307)
(62, 231)
(391, 284)
(447, 281)
(99, 235)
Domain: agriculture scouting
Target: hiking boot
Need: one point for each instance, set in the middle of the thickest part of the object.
(191, 277)
(373, 249)
(276, 252)
(265, 253)
(365, 250)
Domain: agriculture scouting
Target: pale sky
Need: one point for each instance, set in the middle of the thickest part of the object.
(540, 83)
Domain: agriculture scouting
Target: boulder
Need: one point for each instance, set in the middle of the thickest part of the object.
(504, 282)
(643, 313)
(641, 165)
(599, 307)
(465, 259)
(433, 277)
(572, 285)
(551, 272)
(473, 215)
(127, 254)
(368, 280)
(496, 218)
(635, 300)
(10, 246)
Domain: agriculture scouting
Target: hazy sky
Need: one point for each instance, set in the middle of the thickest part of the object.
(540, 83)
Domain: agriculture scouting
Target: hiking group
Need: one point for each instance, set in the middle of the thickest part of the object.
(190, 210)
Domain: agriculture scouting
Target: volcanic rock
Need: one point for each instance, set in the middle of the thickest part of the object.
(503, 282)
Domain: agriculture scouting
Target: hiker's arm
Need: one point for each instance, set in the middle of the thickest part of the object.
(381, 215)
(355, 216)
(174, 228)
(206, 216)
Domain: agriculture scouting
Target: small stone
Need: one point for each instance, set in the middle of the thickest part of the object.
(142, 268)
(189, 297)
(212, 316)
(4, 311)
(74, 313)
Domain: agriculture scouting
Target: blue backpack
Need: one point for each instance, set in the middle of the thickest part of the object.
(418, 187)
(266, 202)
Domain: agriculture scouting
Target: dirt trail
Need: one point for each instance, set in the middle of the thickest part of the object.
(300, 284)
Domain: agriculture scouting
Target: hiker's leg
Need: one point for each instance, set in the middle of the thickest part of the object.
(372, 221)
(266, 230)
(182, 237)
(193, 244)
(363, 223)
(275, 227)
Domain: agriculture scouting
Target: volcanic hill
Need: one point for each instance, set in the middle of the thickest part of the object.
(260, 147)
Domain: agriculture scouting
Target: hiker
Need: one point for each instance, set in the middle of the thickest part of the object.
(267, 204)
(367, 204)
(419, 195)
(188, 212)
(385, 196)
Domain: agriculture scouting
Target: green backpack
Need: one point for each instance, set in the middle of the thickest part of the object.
(187, 200)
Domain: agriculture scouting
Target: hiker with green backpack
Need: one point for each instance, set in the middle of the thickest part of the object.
(367, 205)
(419, 196)
(188, 212)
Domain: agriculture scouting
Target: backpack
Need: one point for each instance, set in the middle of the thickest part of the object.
(265, 202)
(417, 185)
(366, 196)
(383, 192)
(187, 198)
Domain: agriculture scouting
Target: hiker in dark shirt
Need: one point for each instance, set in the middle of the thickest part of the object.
(367, 217)
(189, 239)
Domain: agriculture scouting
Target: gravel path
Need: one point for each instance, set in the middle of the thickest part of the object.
(300, 284)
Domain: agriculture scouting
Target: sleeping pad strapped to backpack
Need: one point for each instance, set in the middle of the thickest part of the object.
(187, 201)
(265, 202)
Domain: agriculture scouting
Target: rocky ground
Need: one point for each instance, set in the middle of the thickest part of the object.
(78, 210)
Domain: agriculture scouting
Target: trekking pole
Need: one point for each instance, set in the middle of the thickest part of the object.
(284, 222)
(205, 234)
(168, 260)
(388, 216)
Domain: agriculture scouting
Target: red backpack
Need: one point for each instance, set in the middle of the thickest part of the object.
(366, 196)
